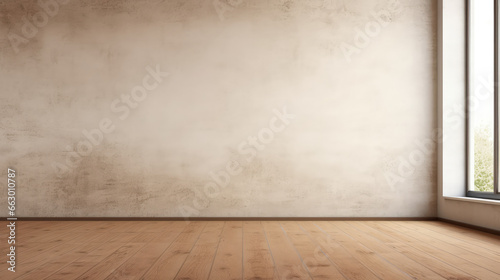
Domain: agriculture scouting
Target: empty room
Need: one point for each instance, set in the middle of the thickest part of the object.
(250, 139)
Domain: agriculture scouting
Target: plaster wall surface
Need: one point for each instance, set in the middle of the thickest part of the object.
(363, 101)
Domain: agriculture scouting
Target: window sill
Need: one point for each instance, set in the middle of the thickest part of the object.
(473, 199)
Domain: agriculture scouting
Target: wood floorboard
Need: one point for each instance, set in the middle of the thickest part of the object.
(373, 261)
(413, 268)
(288, 262)
(421, 257)
(317, 263)
(199, 262)
(265, 250)
(412, 239)
(228, 259)
(82, 265)
(347, 264)
(171, 261)
(258, 262)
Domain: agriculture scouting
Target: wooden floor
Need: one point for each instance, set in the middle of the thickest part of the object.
(251, 250)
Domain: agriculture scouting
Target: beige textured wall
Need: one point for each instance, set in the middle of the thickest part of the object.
(359, 96)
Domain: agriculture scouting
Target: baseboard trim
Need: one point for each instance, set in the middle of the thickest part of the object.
(225, 219)
(483, 229)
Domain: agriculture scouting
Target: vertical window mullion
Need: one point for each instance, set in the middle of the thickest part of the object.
(496, 99)
(468, 171)
(469, 154)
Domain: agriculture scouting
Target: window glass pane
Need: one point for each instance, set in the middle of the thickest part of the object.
(481, 97)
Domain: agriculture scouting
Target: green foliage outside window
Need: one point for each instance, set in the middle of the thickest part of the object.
(483, 159)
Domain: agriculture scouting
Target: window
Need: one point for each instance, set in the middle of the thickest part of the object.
(482, 98)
